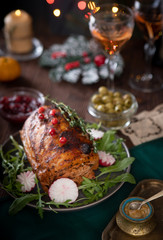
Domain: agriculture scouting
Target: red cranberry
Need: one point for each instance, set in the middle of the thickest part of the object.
(53, 112)
(41, 109)
(41, 116)
(52, 131)
(54, 121)
(63, 140)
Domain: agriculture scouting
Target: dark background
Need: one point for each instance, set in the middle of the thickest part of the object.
(71, 21)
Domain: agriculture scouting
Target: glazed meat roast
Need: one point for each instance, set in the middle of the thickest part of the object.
(55, 149)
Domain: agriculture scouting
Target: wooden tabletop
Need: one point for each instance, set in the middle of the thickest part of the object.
(77, 95)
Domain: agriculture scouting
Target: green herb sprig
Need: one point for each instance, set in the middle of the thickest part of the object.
(73, 118)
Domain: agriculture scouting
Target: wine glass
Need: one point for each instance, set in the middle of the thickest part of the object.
(149, 19)
(111, 25)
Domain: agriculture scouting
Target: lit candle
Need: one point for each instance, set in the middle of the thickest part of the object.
(18, 32)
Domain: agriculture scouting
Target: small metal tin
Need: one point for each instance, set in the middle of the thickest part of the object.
(135, 226)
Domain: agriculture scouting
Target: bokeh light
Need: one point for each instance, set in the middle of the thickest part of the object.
(57, 12)
(87, 15)
(82, 5)
(91, 5)
(114, 9)
(50, 1)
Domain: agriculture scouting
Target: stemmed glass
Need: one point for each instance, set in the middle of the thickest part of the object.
(111, 25)
(149, 19)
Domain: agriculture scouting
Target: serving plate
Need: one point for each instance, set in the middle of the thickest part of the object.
(8, 146)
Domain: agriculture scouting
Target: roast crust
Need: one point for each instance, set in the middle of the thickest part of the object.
(49, 158)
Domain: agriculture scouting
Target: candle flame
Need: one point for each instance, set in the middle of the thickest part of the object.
(18, 13)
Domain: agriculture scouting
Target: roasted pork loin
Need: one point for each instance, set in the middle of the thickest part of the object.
(51, 158)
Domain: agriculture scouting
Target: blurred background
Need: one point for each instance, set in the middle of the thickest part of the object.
(64, 17)
(72, 17)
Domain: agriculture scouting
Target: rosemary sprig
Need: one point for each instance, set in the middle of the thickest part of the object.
(72, 117)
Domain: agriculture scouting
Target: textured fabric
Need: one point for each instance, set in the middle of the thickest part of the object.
(85, 224)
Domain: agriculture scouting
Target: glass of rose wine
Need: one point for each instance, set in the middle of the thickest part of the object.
(149, 18)
(111, 25)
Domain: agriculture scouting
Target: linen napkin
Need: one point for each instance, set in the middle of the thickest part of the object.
(146, 126)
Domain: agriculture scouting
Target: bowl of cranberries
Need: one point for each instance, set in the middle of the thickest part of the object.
(16, 104)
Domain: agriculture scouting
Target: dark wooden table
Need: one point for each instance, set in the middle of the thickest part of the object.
(77, 95)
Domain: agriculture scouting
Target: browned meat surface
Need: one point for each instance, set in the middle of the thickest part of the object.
(51, 159)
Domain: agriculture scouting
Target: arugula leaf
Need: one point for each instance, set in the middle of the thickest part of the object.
(118, 166)
(21, 202)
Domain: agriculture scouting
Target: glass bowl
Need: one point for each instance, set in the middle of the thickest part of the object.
(16, 104)
(115, 120)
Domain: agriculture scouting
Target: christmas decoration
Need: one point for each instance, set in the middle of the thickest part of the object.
(74, 60)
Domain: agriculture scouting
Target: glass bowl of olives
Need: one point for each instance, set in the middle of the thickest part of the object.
(113, 109)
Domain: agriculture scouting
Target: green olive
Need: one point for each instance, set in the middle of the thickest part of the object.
(128, 102)
(110, 93)
(116, 94)
(101, 108)
(106, 99)
(109, 105)
(103, 90)
(117, 100)
(96, 98)
(110, 110)
(126, 96)
(118, 108)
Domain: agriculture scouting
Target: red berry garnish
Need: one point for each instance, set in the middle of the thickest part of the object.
(54, 121)
(63, 140)
(85, 54)
(52, 131)
(87, 60)
(99, 60)
(41, 116)
(53, 112)
(41, 109)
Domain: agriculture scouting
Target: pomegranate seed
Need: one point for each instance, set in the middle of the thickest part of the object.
(63, 140)
(52, 131)
(52, 112)
(41, 109)
(54, 121)
(41, 116)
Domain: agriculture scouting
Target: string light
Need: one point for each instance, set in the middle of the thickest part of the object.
(56, 12)
(82, 5)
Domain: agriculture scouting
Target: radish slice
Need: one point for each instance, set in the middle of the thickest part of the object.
(63, 189)
(106, 159)
(96, 134)
(27, 179)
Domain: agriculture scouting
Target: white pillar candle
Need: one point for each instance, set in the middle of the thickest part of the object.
(18, 32)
